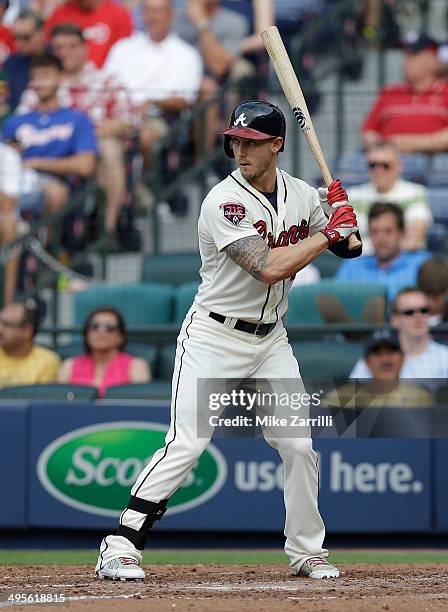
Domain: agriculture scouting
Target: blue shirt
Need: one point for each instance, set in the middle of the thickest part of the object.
(56, 134)
(401, 273)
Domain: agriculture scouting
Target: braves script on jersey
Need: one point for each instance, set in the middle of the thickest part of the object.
(233, 210)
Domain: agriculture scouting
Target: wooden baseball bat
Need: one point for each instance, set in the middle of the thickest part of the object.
(293, 92)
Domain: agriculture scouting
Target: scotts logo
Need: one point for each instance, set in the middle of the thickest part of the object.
(93, 468)
(233, 212)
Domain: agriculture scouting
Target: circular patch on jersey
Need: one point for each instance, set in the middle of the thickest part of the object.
(234, 212)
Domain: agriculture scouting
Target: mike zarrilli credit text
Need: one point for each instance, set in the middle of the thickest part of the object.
(293, 420)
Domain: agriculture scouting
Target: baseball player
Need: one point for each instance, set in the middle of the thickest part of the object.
(257, 228)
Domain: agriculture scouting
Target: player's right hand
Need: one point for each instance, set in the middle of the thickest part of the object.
(341, 224)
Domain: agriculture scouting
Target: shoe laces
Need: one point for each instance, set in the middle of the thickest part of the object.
(315, 561)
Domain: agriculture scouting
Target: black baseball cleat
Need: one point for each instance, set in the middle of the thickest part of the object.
(122, 568)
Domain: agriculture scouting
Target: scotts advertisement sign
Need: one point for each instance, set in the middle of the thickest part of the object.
(93, 468)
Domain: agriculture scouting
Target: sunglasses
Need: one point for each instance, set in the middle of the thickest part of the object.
(109, 327)
(412, 311)
(383, 165)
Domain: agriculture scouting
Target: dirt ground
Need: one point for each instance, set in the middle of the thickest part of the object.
(231, 588)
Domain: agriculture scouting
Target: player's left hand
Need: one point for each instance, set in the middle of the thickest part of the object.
(333, 197)
(341, 224)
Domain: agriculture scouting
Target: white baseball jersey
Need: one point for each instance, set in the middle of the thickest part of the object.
(233, 210)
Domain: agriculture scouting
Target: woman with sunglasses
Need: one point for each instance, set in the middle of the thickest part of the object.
(104, 363)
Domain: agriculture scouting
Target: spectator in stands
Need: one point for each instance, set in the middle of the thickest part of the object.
(389, 265)
(162, 72)
(259, 14)
(218, 34)
(386, 185)
(21, 361)
(10, 176)
(43, 7)
(105, 363)
(28, 32)
(433, 281)
(384, 358)
(412, 115)
(7, 44)
(103, 23)
(107, 104)
(57, 145)
(423, 358)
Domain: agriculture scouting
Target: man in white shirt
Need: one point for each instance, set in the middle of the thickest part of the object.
(10, 178)
(162, 72)
(424, 358)
(386, 185)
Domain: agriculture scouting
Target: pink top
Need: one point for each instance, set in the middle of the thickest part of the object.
(117, 372)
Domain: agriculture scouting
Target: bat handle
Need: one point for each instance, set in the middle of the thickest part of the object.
(353, 243)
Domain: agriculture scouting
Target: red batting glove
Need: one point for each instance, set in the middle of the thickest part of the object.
(336, 193)
(341, 224)
(332, 197)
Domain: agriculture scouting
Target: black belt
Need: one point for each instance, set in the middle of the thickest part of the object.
(260, 329)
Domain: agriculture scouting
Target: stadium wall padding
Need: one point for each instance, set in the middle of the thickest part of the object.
(71, 465)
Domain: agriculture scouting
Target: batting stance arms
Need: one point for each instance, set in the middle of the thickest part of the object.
(273, 265)
(270, 266)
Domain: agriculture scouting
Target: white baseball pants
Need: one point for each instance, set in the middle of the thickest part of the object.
(209, 349)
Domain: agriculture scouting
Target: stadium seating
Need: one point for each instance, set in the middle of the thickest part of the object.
(172, 269)
(137, 349)
(352, 168)
(166, 362)
(437, 238)
(183, 299)
(303, 308)
(153, 390)
(140, 304)
(415, 167)
(327, 264)
(325, 359)
(438, 201)
(438, 172)
(49, 392)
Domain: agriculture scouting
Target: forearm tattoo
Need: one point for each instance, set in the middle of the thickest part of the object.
(250, 253)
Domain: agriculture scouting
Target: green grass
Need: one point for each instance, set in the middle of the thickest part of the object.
(239, 557)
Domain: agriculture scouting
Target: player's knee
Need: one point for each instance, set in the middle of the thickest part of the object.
(302, 446)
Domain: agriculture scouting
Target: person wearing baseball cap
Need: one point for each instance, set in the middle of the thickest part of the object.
(384, 358)
(421, 125)
(415, 41)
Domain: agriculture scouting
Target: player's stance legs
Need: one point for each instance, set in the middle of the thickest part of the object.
(304, 528)
(202, 350)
